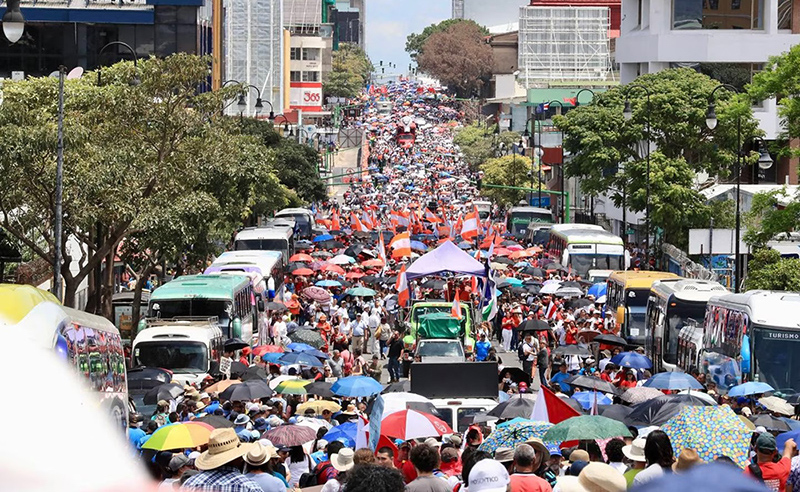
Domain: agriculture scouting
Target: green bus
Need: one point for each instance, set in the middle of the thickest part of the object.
(228, 297)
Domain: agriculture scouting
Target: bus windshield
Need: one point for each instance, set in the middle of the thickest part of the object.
(636, 320)
(637, 297)
(262, 245)
(193, 307)
(581, 264)
(518, 221)
(776, 354)
(720, 368)
(678, 317)
(179, 357)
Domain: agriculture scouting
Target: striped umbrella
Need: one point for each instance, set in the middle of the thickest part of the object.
(509, 436)
(179, 436)
(410, 424)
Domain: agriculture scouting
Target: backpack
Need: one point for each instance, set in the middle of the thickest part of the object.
(521, 352)
(315, 477)
(307, 480)
(755, 470)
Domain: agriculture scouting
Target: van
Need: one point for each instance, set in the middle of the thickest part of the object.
(188, 347)
(459, 412)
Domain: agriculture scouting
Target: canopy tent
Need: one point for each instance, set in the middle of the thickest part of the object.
(446, 258)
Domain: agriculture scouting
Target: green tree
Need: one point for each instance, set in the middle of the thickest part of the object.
(479, 144)
(609, 153)
(458, 57)
(767, 218)
(351, 70)
(509, 170)
(415, 43)
(767, 270)
(780, 79)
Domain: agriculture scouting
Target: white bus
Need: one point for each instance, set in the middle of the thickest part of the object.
(306, 222)
(754, 336)
(518, 219)
(265, 269)
(583, 247)
(673, 304)
(266, 239)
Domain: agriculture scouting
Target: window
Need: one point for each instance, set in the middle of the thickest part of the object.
(294, 76)
(294, 53)
(311, 54)
(784, 14)
(310, 76)
(718, 14)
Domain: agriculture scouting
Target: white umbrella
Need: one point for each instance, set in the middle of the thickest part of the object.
(777, 405)
(568, 292)
(342, 260)
(397, 402)
(550, 288)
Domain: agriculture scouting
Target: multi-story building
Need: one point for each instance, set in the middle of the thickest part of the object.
(310, 46)
(348, 21)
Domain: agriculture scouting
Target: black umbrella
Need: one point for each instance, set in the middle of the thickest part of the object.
(535, 325)
(235, 344)
(514, 407)
(167, 391)
(532, 281)
(295, 265)
(609, 339)
(533, 289)
(572, 350)
(237, 369)
(517, 375)
(616, 412)
(275, 306)
(591, 383)
(503, 260)
(309, 337)
(579, 302)
(533, 271)
(658, 410)
(320, 388)
(322, 254)
(772, 424)
(303, 245)
(330, 244)
(505, 285)
(571, 283)
(254, 373)
(519, 290)
(354, 250)
(398, 387)
(249, 390)
(362, 235)
(434, 283)
(215, 421)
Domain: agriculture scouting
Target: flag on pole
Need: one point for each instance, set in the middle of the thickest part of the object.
(401, 286)
(362, 433)
(401, 245)
(455, 311)
(550, 408)
(432, 217)
(470, 226)
(335, 224)
(381, 248)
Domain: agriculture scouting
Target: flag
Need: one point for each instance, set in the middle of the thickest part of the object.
(356, 224)
(541, 108)
(470, 226)
(572, 100)
(335, 224)
(381, 248)
(402, 288)
(401, 245)
(362, 434)
(375, 423)
(367, 220)
(550, 408)
(455, 311)
(489, 295)
(550, 311)
(431, 217)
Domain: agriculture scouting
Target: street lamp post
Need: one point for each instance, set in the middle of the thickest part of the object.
(13, 21)
(135, 79)
(536, 151)
(560, 110)
(578, 95)
(627, 112)
(764, 162)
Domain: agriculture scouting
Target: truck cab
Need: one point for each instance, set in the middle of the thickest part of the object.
(433, 320)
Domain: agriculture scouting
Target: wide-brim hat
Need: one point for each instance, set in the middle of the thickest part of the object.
(601, 477)
(258, 454)
(687, 458)
(223, 447)
(542, 453)
(635, 450)
(343, 460)
(241, 419)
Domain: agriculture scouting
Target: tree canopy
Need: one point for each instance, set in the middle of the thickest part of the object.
(415, 43)
(609, 152)
(780, 79)
(350, 72)
(768, 271)
(458, 57)
(479, 143)
(508, 170)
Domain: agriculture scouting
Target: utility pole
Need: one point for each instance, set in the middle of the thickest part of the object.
(58, 224)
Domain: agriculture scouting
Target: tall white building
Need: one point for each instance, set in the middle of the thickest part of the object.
(726, 39)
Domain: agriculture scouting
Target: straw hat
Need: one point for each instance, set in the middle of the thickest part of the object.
(542, 453)
(635, 450)
(687, 459)
(258, 454)
(350, 410)
(343, 460)
(578, 455)
(600, 477)
(223, 447)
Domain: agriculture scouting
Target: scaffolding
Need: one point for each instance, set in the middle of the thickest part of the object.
(563, 44)
(303, 17)
(458, 9)
(254, 49)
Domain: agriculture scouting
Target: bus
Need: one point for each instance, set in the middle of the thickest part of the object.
(304, 218)
(518, 218)
(230, 298)
(673, 304)
(583, 247)
(754, 336)
(266, 239)
(483, 207)
(265, 269)
(90, 344)
(626, 302)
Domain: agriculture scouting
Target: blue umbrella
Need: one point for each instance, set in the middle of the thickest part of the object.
(300, 347)
(673, 381)
(503, 396)
(521, 264)
(323, 237)
(356, 386)
(328, 283)
(632, 360)
(271, 357)
(465, 245)
(597, 290)
(793, 424)
(750, 388)
(418, 246)
(782, 438)
(345, 433)
(317, 353)
(514, 282)
(300, 358)
(586, 399)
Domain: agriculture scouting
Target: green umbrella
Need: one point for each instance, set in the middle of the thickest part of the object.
(361, 292)
(586, 427)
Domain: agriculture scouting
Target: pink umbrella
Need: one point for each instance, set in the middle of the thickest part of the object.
(317, 293)
(411, 424)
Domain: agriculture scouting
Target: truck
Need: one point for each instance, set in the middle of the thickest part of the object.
(433, 320)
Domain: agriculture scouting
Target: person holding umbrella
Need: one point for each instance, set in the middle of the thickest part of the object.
(766, 467)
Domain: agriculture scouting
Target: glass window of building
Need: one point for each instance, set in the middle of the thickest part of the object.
(310, 54)
(785, 14)
(294, 76)
(295, 53)
(718, 14)
(310, 76)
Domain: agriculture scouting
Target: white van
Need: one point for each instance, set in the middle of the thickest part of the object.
(459, 412)
(185, 346)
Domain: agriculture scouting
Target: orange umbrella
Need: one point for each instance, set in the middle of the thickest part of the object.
(303, 272)
(520, 254)
(334, 269)
(376, 262)
(302, 257)
(354, 275)
(502, 251)
(221, 386)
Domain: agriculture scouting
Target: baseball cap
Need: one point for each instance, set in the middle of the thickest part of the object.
(488, 476)
(553, 449)
(504, 455)
(766, 443)
(177, 461)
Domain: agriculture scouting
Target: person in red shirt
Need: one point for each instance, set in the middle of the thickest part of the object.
(572, 333)
(325, 330)
(629, 381)
(606, 374)
(766, 468)
(524, 479)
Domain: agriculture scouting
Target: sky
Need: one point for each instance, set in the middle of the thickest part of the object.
(389, 22)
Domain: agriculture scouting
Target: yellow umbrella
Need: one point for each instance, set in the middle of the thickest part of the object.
(318, 406)
(292, 387)
(179, 436)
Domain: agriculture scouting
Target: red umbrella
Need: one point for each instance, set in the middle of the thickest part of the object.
(377, 262)
(303, 272)
(334, 269)
(317, 294)
(266, 349)
(411, 424)
(302, 257)
(502, 251)
(354, 275)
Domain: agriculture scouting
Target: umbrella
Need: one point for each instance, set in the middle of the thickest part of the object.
(578, 302)
(168, 391)
(179, 436)
(318, 406)
(533, 271)
(301, 257)
(535, 325)
(597, 290)
(398, 387)
(711, 431)
(793, 424)
(292, 387)
(249, 390)
(320, 388)
(772, 424)
(672, 381)
(411, 424)
(782, 438)
(309, 337)
(373, 263)
(300, 347)
(777, 405)
(254, 373)
(517, 375)
(592, 383)
(328, 283)
(323, 237)
(588, 398)
(235, 344)
(290, 435)
(550, 288)
(354, 250)
(356, 386)
(515, 407)
(586, 427)
(418, 246)
(221, 386)
(300, 358)
(272, 357)
(658, 410)
(609, 339)
(334, 269)
(342, 260)
(214, 421)
(434, 283)
(569, 292)
(303, 272)
(640, 394)
(750, 388)
(572, 350)
(616, 412)
(317, 294)
(303, 244)
(345, 433)
(360, 292)
(321, 254)
(238, 369)
(632, 360)
(510, 435)
(330, 244)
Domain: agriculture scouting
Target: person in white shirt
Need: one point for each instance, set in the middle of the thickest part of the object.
(374, 322)
(359, 330)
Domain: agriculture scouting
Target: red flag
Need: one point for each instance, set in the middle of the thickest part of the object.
(335, 224)
(455, 311)
(550, 408)
(402, 288)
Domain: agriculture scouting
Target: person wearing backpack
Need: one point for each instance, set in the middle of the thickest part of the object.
(769, 467)
(298, 463)
(324, 471)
